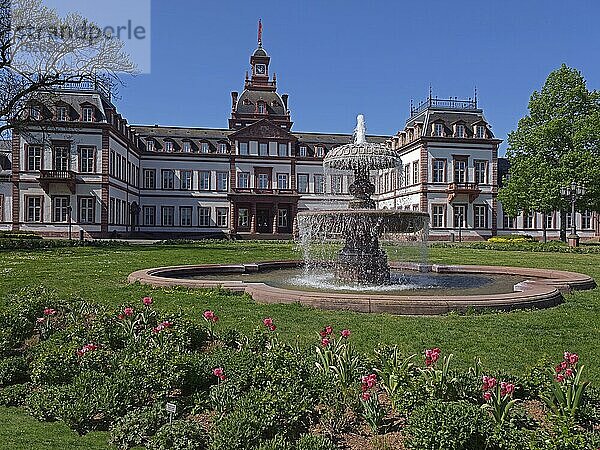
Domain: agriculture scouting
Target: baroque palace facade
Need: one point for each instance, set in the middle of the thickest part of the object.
(94, 172)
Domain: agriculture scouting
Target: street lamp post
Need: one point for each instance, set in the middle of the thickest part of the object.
(69, 213)
(572, 193)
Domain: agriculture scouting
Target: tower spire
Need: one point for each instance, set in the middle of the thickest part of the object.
(259, 32)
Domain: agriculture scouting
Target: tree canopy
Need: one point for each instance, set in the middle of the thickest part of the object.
(557, 143)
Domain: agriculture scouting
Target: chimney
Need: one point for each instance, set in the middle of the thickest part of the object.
(284, 97)
(234, 97)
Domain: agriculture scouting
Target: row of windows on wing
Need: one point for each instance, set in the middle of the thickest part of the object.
(186, 146)
(278, 149)
(439, 129)
(62, 159)
(411, 174)
(260, 107)
(61, 209)
(64, 113)
(535, 221)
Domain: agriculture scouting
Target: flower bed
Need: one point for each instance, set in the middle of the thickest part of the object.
(96, 368)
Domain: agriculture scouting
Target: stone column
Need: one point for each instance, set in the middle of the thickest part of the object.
(275, 211)
(253, 218)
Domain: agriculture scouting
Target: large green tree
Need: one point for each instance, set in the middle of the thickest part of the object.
(557, 143)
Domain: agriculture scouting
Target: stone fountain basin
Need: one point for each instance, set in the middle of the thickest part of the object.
(543, 288)
(347, 221)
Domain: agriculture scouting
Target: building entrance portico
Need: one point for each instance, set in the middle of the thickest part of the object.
(263, 214)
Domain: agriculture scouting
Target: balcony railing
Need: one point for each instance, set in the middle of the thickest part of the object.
(259, 191)
(469, 188)
(86, 86)
(445, 103)
(57, 176)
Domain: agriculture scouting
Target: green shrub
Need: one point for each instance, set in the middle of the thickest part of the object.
(179, 435)
(13, 370)
(15, 395)
(277, 443)
(54, 363)
(138, 426)
(45, 402)
(442, 425)
(314, 442)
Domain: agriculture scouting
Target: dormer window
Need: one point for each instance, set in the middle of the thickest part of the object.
(168, 146)
(460, 131)
(222, 147)
(62, 114)
(261, 108)
(150, 145)
(481, 131)
(34, 113)
(438, 129)
(319, 151)
(303, 152)
(187, 146)
(87, 114)
(204, 147)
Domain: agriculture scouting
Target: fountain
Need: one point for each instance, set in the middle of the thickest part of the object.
(361, 260)
(346, 259)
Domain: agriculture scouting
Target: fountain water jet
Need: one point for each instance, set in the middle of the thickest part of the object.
(361, 260)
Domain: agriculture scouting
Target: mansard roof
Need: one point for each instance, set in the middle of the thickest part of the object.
(247, 102)
(333, 139)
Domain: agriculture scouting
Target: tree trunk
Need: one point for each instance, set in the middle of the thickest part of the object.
(563, 225)
(544, 230)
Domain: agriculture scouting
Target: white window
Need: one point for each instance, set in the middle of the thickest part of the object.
(203, 216)
(508, 222)
(460, 131)
(150, 145)
(282, 218)
(87, 159)
(87, 114)
(263, 181)
(150, 215)
(481, 131)
(185, 216)
(34, 209)
(222, 217)
(168, 178)
(261, 108)
(282, 181)
(407, 175)
(243, 218)
(319, 151)
(319, 184)
(263, 149)
(204, 147)
(438, 216)
(243, 180)
(222, 147)
(186, 180)
(283, 150)
(167, 216)
(439, 170)
(415, 174)
(460, 216)
(549, 221)
(60, 209)
(61, 158)
(336, 184)
(460, 171)
(204, 180)
(480, 216)
(586, 220)
(481, 172)
(34, 158)
(222, 178)
(168, 146)
(149, 178)
(187, 146)
(302, 183)
(438, 129)
(530, 220)
(303, 152)
(86, 209)
(62, 113)
(243, 148)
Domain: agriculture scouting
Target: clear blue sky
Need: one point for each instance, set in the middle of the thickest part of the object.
(338, 58)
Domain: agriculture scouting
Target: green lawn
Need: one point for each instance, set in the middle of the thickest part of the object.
(513, 341)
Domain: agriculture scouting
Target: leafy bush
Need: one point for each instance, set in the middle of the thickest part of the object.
(512, 239)
(277, 443)
(15, 395)
(448, 425)
(179, 435)
(314, 442)
(13, 370)
(138, 426)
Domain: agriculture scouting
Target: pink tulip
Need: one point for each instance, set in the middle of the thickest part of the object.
(325, 342)
(345, 333)
(487, 396)
(147, 301)
(560, 378)
(573, 358)
(40, 319)
(328, 330)
(366, 396)
(219, 373)
(49, 311)
(209, 315)
(568, 373)
(268, 321)
(128, 311)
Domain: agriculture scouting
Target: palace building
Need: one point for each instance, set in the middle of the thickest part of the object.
(93, 171)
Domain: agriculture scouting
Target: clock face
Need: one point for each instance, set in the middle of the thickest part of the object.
(260, 69)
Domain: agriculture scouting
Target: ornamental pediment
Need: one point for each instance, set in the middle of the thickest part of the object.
(263, 129)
